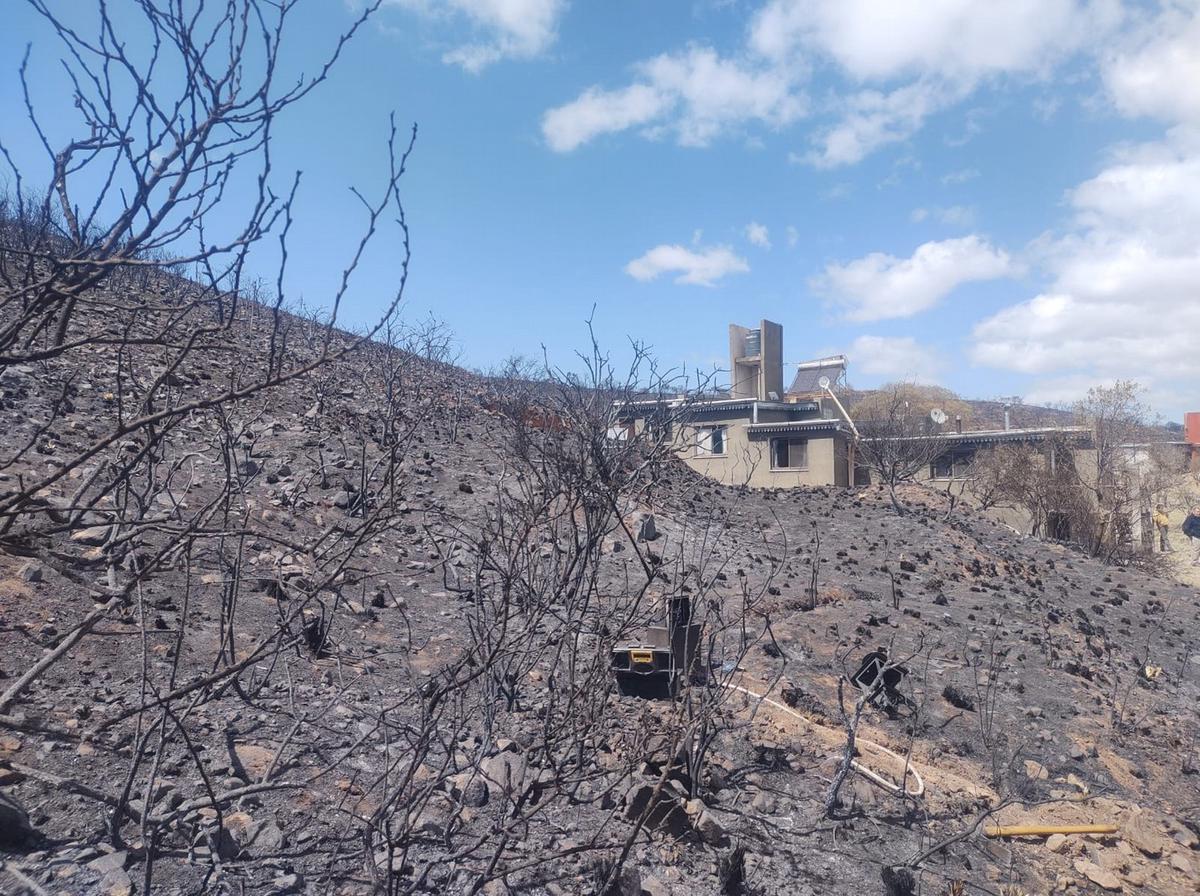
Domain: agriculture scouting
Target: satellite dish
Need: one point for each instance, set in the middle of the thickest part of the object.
(938, 416)
(823, 382)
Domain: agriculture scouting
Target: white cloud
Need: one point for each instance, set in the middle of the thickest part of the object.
(953, 40)
(960, 177)
(694, 96)
(1123, 299)
(953, 215)
(1158, 74)
(913, 58)
(700, 268)
(879, 286)
(598, 112)
(793, 236)
(758, 235)
(874, 119)
(895, 357)
(502, 29)
(901, 62)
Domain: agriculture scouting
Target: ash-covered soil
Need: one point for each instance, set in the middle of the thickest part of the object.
(246, 761)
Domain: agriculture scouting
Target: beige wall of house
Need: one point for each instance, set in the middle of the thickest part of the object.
(747, 461)
(1013, 517)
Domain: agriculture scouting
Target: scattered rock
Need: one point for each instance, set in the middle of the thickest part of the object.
(711, 831)
(116, 883)
(114, 861)
(93, 536)
(1100, 877)
(763, 803)
(470, 789)
(287, 883)
(1137, 830)
(1035, 770)
(505, 770)
(958, 697)
(31, 572)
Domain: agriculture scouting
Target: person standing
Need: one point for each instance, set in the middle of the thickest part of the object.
(1162, 523)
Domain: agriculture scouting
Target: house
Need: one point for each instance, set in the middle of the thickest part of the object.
(755, 434)
(956, 461)
(760, 434)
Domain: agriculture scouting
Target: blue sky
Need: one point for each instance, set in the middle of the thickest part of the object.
(1002, 198)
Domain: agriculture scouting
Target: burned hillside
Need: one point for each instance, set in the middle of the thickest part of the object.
(291, 608)
(353, 635)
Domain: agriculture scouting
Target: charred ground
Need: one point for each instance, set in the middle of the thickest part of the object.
(338, 641)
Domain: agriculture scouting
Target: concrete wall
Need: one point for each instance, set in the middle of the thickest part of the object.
(748, 461)
(743, 378)
(772, 360)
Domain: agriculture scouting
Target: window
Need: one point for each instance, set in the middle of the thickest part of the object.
(789, 454)
(952, 465)
(942, 467)
(658, 428)
(710, 441)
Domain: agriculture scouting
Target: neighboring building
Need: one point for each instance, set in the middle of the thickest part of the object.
(754, 434)
(962, 447)
(1191, 430)
(759, 435)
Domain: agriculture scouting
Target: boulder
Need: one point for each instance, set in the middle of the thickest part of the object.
(505, 770)
(666, 815)
(469, 789)
(1138, 831)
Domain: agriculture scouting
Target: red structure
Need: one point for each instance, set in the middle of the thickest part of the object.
(1191, 432)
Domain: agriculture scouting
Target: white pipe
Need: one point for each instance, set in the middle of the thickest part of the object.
(859, 741)
(844, 413)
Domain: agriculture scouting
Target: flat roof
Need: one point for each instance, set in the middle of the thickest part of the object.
(785, 426)
(721, 404)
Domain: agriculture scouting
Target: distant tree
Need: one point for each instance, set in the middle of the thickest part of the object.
(921, 398)
(1092, 496)
(1118, 420)
(994, 474)
(898, 438)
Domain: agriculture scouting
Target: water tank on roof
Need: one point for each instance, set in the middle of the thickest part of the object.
(753, 343)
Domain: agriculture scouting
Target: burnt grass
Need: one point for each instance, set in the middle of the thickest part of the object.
(1069, 729)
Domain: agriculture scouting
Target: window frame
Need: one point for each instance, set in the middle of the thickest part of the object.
(704, 434)
(774, 457)
(960, 462)
(948, 459)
